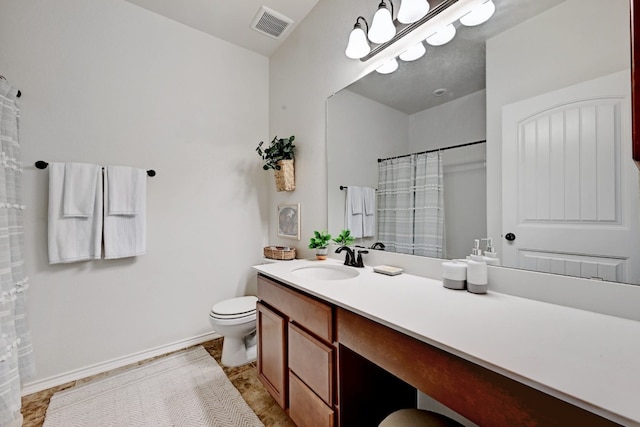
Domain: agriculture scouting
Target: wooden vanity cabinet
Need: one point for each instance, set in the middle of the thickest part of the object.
(296, 355)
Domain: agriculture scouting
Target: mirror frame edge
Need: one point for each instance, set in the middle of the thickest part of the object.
(635, 79)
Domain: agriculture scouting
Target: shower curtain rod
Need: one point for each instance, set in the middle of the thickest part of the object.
(434, 150)
(19, 94)
(41, 164)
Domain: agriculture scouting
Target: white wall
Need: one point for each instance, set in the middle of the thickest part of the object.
(576, 51)
(107, 82)
(355, 143)
(452, 123)
(465, 198)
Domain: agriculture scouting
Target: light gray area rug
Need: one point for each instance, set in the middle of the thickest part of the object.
(184, 389)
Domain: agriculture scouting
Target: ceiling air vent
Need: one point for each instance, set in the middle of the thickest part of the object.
(270, 22)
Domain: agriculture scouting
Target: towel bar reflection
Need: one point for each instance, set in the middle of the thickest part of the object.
(41, 164)
(344, 187)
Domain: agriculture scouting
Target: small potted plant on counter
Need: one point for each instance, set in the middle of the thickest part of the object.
(320, 242)
(279, 156)
(344, 238)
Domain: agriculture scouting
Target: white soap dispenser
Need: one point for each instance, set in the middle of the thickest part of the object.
(490, 255)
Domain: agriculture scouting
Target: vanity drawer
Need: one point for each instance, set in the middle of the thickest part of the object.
(305, 408)
(313, 315)
(312, 361)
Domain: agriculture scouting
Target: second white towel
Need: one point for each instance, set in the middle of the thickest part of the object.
(125, 223)
(369, 217)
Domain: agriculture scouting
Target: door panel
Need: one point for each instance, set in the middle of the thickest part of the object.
(570, 190)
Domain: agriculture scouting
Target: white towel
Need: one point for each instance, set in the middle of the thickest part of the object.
(79, 195)
(369, 218)
(125, 233)
(125, 190)
(73, 238)
(353, 211)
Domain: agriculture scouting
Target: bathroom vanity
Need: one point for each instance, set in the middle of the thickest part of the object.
(340, 350)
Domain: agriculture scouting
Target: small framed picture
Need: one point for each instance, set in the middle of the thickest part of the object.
(289, 221)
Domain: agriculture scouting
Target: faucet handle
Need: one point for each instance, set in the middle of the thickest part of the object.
(359, 262)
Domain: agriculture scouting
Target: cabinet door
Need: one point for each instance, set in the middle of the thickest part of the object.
(272, 353)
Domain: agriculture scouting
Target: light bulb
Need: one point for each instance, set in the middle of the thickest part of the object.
(442, 36)
(388, 67)
(412, 10)
(479, 15)
(382, 29)
(358, 46)
(413, 52)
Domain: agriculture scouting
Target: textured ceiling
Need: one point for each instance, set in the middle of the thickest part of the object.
(231, 20)
(458, 66)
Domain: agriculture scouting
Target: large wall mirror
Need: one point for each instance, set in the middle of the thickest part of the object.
(529, 119)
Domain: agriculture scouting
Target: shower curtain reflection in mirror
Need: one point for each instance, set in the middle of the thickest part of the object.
(411, 204)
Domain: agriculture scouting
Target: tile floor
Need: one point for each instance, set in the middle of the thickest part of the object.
(244, 378)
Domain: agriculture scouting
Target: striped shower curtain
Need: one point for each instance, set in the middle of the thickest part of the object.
(411, 204)
(16, 357)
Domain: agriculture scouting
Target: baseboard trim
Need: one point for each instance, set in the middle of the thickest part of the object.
(119, 362)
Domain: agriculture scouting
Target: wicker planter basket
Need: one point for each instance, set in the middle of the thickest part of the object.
(285, 177)
(279, 252)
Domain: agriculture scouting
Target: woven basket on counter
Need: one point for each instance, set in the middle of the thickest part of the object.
(279, 252)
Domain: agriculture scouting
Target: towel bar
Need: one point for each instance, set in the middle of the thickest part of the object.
(41, 164)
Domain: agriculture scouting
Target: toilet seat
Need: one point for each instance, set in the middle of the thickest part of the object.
(235, 308)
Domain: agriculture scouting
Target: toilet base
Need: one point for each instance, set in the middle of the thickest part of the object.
(239, 351)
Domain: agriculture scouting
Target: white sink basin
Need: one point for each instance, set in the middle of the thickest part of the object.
(326, 272)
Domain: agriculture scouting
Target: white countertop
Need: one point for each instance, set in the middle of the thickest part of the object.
(588, 359)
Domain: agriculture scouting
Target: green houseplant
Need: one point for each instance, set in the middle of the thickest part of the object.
(344, 238)
(320, 241)
(279, 156)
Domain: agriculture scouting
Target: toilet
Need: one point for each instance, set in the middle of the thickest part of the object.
(235, 320)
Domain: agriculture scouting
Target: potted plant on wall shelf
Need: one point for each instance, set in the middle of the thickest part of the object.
(344, 238)
(320, 242)
(279, 156)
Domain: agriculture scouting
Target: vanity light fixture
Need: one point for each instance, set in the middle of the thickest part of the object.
(358, 45)
(414, 52)
(412, 10)
(388, 67)
(382, 29)
(413, 14)
(479, 15)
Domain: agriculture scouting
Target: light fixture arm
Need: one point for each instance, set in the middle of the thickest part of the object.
(357, 24)
(383, 4)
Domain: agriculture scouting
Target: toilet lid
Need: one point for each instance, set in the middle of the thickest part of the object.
(235, 307)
